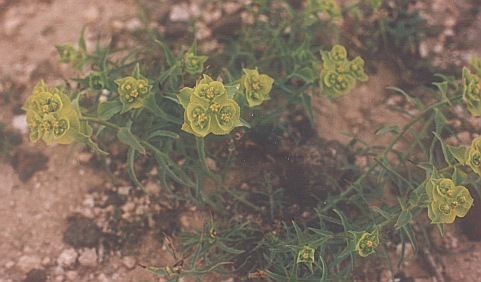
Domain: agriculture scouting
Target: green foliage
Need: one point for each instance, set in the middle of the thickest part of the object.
(163, 103)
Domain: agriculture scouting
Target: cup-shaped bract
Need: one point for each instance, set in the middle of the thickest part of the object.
(306, 255)
(366, 242)
(472, 92)
(194, 64)
(132, 92)
(67, 53)
(474, 155)
(356, 69)
(335, 84)
(256, 87)
(447, 200)
(208, 109)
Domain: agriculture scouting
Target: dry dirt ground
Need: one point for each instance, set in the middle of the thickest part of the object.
(41, 186)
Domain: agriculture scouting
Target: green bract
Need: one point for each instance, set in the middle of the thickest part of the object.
(328, 6)
(472, 92)
(447, 200)
(306, 254)
(256, 87)
(339, 75)
(50, 116)
(366, 242)
(474, 155)
(67, 53)
(133, 90)
(194, 64)
(208, 109)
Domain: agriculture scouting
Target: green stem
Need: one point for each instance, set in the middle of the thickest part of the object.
(384, 153)
(146, 144)
(201, 151)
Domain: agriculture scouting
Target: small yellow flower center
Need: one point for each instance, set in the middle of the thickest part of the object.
(369, 243)
(214, 107)
(462, 199)
(141, 85)
(55, 124)
(255, 86)
(128, 87)
(340, 78)
(354, 67)
(225, 117)
(201, 118)
(45, 108)
(455, 204)
(134, 93)
(340, 69)
(65, 52)
(305, 255)
(450, 192)
(445, 208)
(193, 61)
(210, 93)
(46, 125)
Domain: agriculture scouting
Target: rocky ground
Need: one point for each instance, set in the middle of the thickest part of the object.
(54, 204)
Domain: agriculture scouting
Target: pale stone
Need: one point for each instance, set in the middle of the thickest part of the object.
(29, 262)
(67, 258)
(88, 258)
(129, 262)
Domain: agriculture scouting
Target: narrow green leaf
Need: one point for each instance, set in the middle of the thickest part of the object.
(126, 136)
(81, 41)
(299, 234)
(413, 100)
(232, 90)
(230, 250)
(106, 110)
(403, 219)
(458, 176)
(168, 54)
(307, 103)
(130, 165)
(394, 129)
(443, 88)
(447, 156)
(412, 238)
(163, 133)
(439, 120)
(459, 153)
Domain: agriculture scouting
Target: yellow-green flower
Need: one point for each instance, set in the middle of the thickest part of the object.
(447, 200)
(256, 87)
(472, 92)
(306, 255)
(194, 64)
(328, 6)
(365, 242)
(474, 155)
(208, 109)
(133, 90)
(67, 53)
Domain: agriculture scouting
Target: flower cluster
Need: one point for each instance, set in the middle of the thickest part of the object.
(366, 242)
(472, 91)
(327, 6)
(208, 108)
(339, 75)
(194, 64)
(474, 155)
(67, 53)
(50, 115)
(256, 87)
(306, 255)
(447, 200)
(133, 90)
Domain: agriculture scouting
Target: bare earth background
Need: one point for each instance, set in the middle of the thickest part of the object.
(41, 186)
